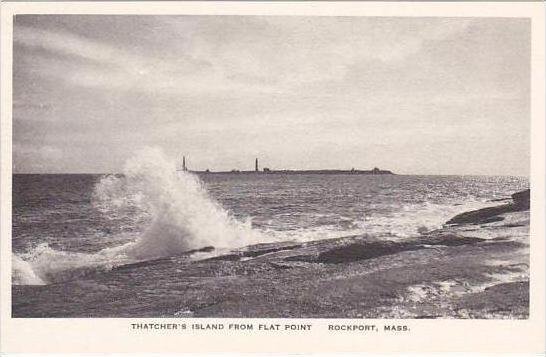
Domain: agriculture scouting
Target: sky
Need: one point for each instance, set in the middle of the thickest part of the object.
(412, 95)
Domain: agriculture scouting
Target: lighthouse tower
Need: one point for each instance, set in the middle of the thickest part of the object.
(256, 167)
(184, 164)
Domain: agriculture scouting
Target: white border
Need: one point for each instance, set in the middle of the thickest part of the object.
(114, 335)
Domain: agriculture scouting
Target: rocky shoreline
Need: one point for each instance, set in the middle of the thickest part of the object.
(477, 266)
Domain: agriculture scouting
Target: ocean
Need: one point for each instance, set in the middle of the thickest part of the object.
(64, 223)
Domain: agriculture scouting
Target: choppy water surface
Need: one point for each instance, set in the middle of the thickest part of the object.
(66, 221)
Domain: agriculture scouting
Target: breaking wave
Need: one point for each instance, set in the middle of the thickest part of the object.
(183, 217)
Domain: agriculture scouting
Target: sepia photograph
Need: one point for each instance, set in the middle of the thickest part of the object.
(254, 166)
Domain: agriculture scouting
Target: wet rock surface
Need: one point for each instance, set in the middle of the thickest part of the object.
(371, 249)
(522, 199)
(520, 202)
(465, 270)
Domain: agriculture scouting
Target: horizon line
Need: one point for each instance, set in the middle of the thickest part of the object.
(276, 171)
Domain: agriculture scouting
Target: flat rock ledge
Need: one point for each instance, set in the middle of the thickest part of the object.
(520, 202)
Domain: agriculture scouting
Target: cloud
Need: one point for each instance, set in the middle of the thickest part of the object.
(225, 86)
(108, 67)
(292, 50)
(262, 54)
(72, 45)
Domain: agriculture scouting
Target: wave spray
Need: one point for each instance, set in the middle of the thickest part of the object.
(184, 216)
(181, 213)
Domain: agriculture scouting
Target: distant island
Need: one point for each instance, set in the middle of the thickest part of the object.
(266, 170)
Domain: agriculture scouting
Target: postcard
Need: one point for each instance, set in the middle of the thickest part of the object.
(272, 177)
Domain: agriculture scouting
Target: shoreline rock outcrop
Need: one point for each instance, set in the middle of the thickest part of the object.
(522, 199)
(520, 202)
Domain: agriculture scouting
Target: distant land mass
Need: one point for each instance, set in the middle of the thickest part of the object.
(266, 171)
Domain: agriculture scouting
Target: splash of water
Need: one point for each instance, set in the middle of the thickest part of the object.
(183, 217)
(22, 272)
(44, 265)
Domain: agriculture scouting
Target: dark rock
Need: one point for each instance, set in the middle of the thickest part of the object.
(165, 260)
(522, 199)
(449, 240)
(204, 249)
(373, 249)
(306, 258)
(141, 264)
(514, 225)
(251, 253)
(226, 257)
(483, 215)
(492, 219)
(360, 251)
(490, 214)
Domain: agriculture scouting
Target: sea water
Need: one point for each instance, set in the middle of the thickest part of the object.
(62, 223)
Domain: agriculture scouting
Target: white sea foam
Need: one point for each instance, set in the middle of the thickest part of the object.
(44, 265)
(183, 217)
(23, 274)
(413, 219)
(408, 220)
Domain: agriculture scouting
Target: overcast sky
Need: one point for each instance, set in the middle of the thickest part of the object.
(413, 95)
